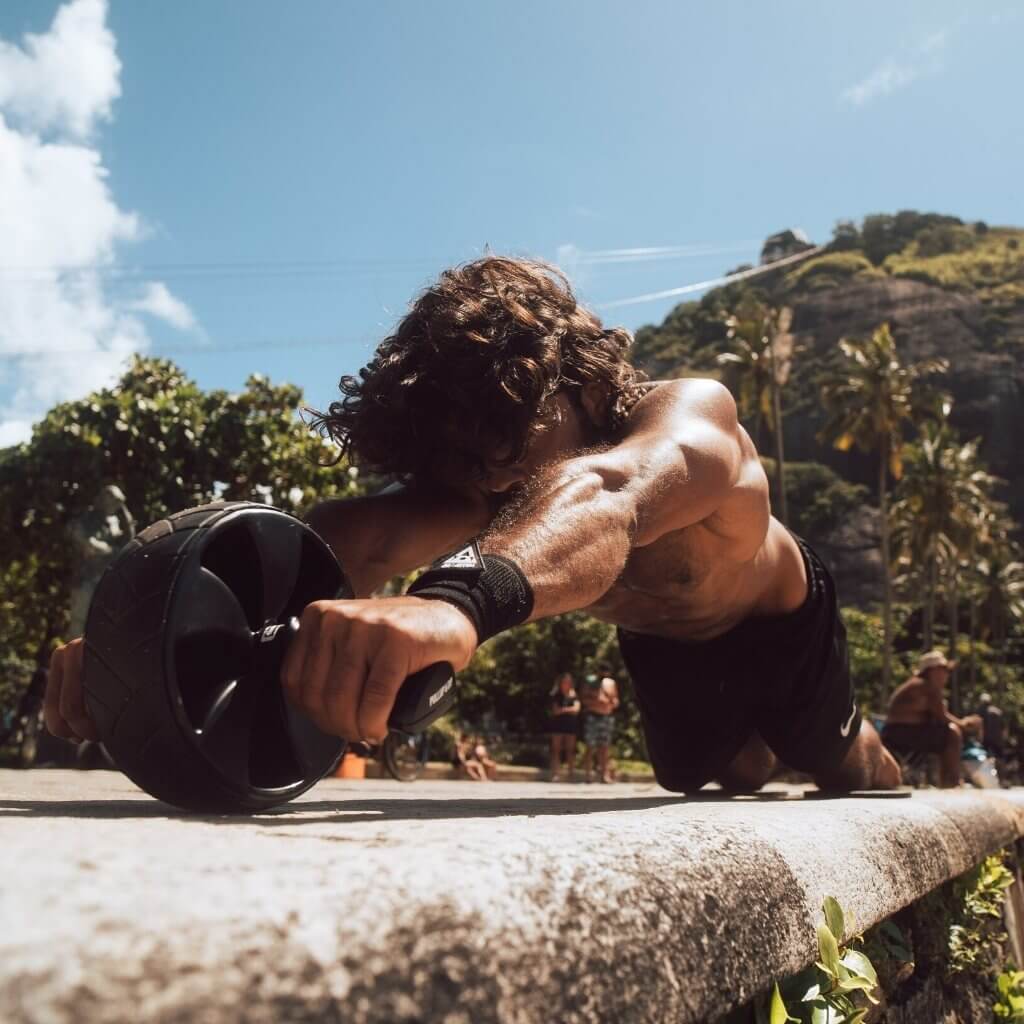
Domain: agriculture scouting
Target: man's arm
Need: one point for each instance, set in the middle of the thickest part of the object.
(571, 535)
(573, 531)
(939, 711)
(395, 531)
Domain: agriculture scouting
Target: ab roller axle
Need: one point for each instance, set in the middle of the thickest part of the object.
(184, 641)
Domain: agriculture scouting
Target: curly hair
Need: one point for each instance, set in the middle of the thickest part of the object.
(469, 372)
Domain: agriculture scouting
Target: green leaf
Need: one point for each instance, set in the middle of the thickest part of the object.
(778, 1014)
(834, 917)
(853, 984)
(820, 1014)
(829, 949)
(857, 963)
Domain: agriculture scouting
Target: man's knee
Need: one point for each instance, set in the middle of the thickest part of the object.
(751, 768)
(748, 779)
(678, 780)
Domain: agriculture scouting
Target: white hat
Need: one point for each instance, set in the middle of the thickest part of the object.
(934, 659)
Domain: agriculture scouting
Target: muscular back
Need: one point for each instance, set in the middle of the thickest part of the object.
(915, 703)
(700, 580)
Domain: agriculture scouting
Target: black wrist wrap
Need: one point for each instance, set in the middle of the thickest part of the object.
(490, 589)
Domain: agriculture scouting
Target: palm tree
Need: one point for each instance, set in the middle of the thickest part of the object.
(939, 501)
(1001, 605)
(990, 532)
(869, 400)
(759, 364)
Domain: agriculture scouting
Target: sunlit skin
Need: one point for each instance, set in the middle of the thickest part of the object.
(667, 531)
(921, 701)
(602, 700)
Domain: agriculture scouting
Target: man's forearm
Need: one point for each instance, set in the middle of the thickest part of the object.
(570, 535)
(393, 532)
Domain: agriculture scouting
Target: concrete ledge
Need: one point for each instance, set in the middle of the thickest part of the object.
(440, 901)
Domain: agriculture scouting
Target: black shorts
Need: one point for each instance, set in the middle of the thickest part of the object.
(909, 738)
(786, 677)
(563, 725)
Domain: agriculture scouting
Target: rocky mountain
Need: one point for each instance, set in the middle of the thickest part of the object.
(947, 289)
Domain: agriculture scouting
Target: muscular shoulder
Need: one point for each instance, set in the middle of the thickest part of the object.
(676, 406)
(913, 688)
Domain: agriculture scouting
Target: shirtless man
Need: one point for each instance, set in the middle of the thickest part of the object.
(511, 416)
(920, 722)
(600, 699)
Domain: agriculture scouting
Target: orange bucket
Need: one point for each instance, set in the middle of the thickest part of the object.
(352, 767)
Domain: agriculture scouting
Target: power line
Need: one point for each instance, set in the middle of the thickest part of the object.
(199, 350)
(716, 282)
(340, 342)
(363, 265)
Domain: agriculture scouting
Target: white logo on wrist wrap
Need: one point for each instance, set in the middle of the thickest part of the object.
(844, 730)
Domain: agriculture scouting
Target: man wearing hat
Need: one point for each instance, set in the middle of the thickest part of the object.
(919, 721)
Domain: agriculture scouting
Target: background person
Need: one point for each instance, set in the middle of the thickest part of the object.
(993, 726)
(600, 699)
(487, 763)
(919, 720)
(464, 760)
(563, 726)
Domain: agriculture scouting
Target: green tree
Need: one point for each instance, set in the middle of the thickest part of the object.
(943, 493)
(1001, 601)
(868, 401)
(168, 445)
(758, 362)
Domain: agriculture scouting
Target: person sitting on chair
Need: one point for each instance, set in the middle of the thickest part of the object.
(920, 722)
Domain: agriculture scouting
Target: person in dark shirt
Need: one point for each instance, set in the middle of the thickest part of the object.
(993, 726)
(562, 728)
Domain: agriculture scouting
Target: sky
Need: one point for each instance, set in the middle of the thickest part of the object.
(247, 186)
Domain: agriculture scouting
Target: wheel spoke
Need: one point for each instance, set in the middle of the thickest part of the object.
(218, 702)
(205, 666)
(205, 604)
(228, 739)
(273, 759)
(317, 749)
(320, 576)
(279, 544)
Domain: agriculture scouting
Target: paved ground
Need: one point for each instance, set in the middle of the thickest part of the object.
(381, 901)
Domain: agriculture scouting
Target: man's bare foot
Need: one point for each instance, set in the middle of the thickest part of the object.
(867, 765)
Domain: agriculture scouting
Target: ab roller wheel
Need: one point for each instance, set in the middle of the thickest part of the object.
(183, 648)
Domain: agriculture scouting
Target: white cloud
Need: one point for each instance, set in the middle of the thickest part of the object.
(65, 79)
(159, 302)
(885, 79)
(61, 333)
(896, 73)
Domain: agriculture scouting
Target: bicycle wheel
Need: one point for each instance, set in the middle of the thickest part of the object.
(402, 756)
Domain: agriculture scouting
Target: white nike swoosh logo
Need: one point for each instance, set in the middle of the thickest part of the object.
(844, 730)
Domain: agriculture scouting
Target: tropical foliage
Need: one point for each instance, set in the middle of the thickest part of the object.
(870, 399)
(167, 445)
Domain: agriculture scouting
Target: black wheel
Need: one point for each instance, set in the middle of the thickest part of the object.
(178, 674)
(402, 756)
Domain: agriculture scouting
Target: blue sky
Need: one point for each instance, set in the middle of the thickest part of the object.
(262, 187)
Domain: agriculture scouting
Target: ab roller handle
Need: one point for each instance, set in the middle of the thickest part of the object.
(423, 698)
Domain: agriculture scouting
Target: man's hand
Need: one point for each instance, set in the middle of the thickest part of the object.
(63, 706)
(349, 659)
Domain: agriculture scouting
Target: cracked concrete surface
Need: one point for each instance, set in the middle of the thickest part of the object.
(441, 901)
